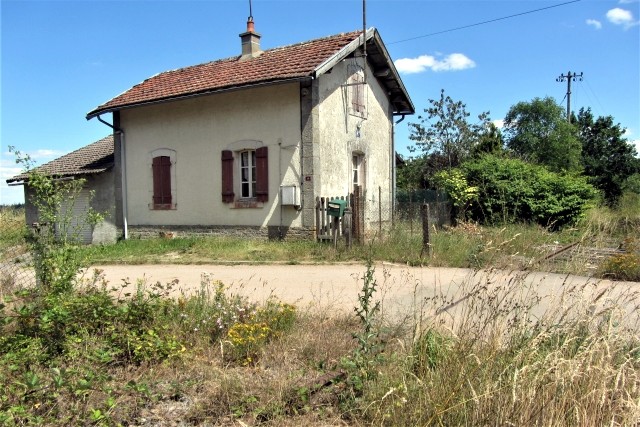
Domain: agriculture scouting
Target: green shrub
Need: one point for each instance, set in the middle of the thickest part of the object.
(512, 190)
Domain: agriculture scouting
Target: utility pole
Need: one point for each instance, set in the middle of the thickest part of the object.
(569, 77)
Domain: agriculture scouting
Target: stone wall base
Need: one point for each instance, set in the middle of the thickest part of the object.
(249, 232)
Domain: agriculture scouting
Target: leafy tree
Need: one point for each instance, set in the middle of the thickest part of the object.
(455, 184)
(418, 172)
(410, 176)
(445, 132)
(53, 240)
(608, 159)
(537, 131)
(632, 184)
(491, 141)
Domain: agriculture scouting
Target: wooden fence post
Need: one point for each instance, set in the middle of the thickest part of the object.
(426, 238)
(346, 226)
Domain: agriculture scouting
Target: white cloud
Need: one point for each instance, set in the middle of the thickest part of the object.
(627, 1)
(10, 195)
(622, 17)
(594, 23)
(499, 123)
(452, 62)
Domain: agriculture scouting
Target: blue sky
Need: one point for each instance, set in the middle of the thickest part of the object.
(60, 59)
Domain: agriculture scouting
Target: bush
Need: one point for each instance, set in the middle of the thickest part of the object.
(623, 266)
(512, 190)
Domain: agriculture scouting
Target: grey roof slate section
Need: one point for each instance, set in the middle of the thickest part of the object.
(91, 159)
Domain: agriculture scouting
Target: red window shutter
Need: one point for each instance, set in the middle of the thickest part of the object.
(262, 174)
(161, 180)
(227, 176)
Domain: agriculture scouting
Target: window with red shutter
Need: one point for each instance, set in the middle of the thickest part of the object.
(262, 174)
(162, 182)
(227, 176)
(251, 169)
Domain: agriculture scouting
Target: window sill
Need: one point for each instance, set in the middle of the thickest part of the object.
(163, 207)
(247, 204)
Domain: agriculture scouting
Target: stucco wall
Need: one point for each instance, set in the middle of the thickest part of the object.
(198, 129)
(340, 139)
(102, 201)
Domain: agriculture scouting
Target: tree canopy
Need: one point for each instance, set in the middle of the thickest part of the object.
(446, 130)
(608, 159)
(537, 131)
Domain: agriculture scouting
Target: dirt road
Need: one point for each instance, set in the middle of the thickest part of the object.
(337, 286)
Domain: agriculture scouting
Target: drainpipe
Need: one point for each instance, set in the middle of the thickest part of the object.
(123, 155)
(124, 175)
(393, 162)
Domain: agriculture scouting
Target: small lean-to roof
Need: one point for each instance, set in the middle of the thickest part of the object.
(94, 158)
(289, 63)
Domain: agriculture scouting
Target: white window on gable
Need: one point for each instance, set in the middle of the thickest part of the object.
(357, 168)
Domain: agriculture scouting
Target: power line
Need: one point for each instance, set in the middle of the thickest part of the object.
(485, 22)
(602, 110)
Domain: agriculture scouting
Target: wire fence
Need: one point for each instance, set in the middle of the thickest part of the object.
(15, 260)
(408, 208)
(16, 266)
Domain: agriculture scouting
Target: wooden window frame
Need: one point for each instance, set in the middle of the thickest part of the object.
(249, 180)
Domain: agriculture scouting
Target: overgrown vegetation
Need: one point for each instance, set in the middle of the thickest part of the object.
(543, 167)
(492, 359)
(512, 190)
(95, 353)
(139, 353)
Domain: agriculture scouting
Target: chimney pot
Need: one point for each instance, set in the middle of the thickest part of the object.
(250, 42)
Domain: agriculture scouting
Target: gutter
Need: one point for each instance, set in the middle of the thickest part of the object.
(124, 174)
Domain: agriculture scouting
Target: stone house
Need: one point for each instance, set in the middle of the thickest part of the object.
(245, 145)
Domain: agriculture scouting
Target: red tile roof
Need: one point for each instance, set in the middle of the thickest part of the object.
(94, 158)
(283, 63)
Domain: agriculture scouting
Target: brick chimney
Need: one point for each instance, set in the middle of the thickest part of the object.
(250, 42)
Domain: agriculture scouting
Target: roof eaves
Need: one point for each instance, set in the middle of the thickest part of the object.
(330, 62)
(99, 111)
(23, 178)
(396, 75)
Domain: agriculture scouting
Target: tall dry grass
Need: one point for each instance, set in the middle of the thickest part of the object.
(501, 353)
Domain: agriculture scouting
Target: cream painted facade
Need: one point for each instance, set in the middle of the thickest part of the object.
(197, 130)
(310, 129)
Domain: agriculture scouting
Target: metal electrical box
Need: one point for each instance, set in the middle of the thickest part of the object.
(290, 195)
(336, 207)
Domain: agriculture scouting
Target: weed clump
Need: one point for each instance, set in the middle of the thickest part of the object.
(623, 266)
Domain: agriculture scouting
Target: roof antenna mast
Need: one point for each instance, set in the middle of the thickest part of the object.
(364, 38)
(250, 11)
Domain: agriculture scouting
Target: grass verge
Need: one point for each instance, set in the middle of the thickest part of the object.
(489, 355)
